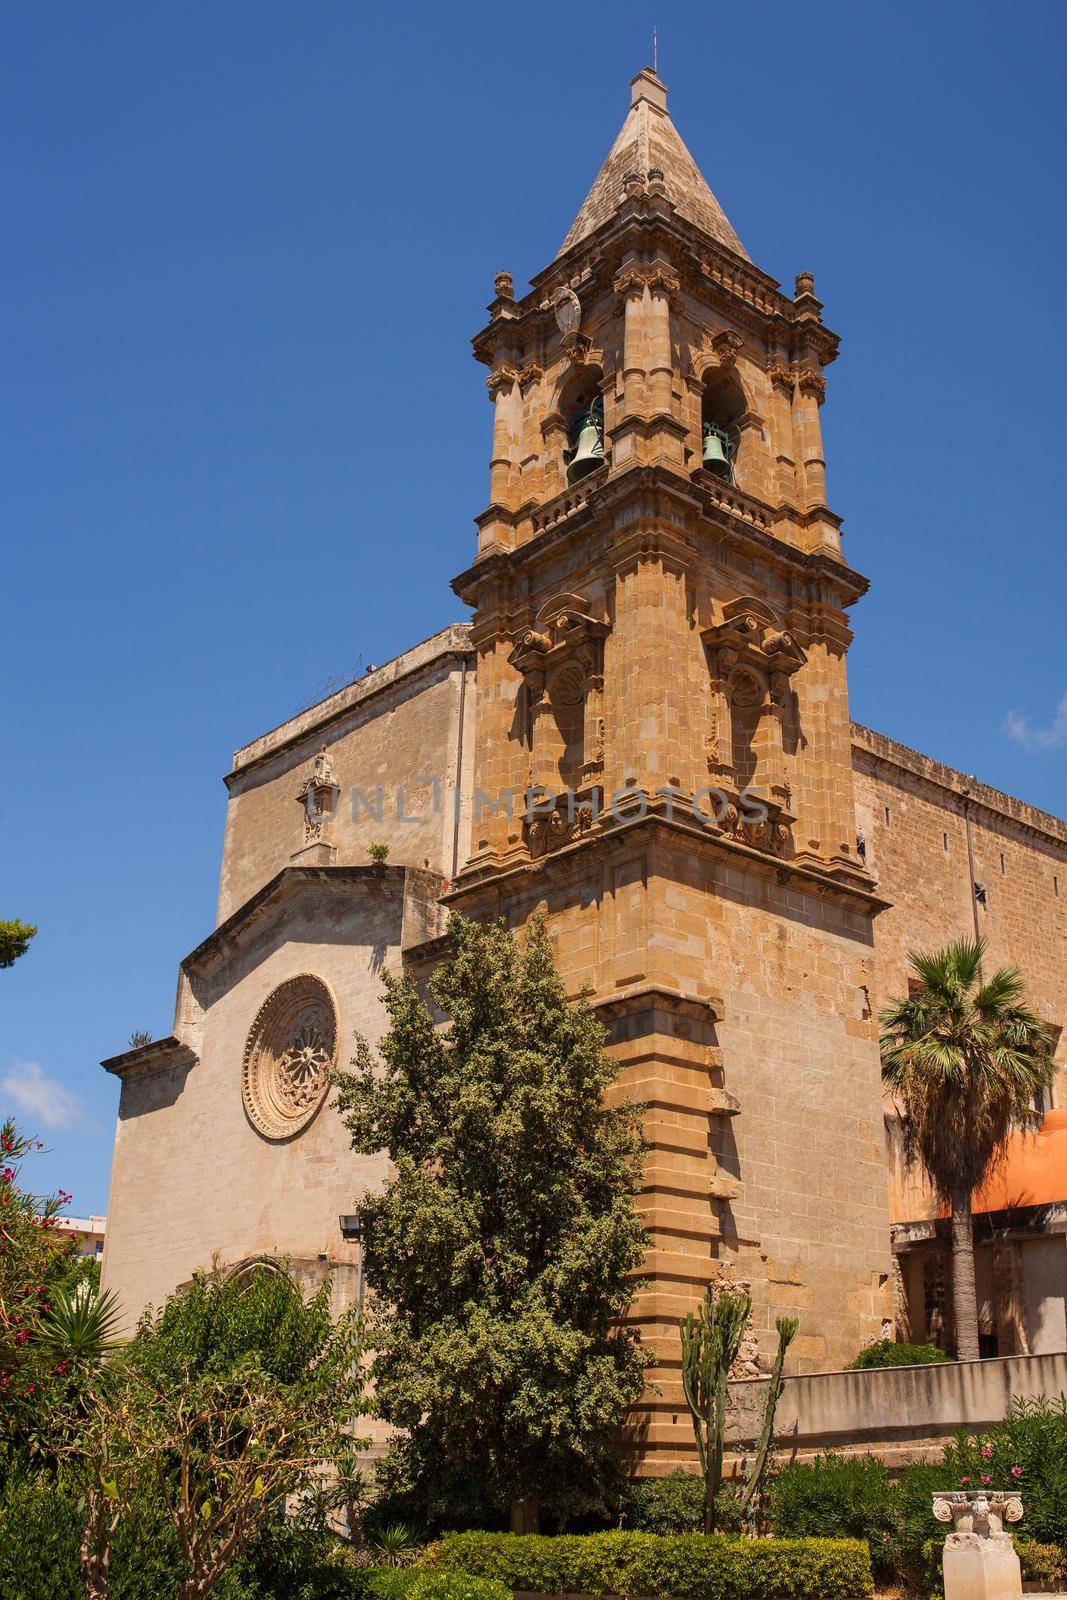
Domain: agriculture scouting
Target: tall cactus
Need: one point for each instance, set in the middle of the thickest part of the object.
(787, 1332)
(711, 1339)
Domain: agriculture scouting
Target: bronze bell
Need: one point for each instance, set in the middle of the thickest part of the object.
(717, 452)
(588, 452)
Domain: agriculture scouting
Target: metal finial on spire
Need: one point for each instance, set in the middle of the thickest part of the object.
(655, 54)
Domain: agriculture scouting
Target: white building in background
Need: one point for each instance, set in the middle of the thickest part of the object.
(90, 1232)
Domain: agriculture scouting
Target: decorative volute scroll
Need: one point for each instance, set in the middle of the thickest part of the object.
(752, 659)
(318, 796)
(981, 1511)
(561, 660)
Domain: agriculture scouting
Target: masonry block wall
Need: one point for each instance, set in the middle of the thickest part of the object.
(392, 740)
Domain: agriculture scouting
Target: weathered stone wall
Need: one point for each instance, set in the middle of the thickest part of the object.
(898, 1413)
(736, 1008)
(913, 815)
(194, 1184)
(393, 736)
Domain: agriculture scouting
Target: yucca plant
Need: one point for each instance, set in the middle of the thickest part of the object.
(964, 1057)
(82, 1324)
(396, 1545)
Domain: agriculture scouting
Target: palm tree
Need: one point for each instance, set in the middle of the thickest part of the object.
(964, 1058)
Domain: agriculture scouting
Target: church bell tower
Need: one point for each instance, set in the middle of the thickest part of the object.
(662, 745)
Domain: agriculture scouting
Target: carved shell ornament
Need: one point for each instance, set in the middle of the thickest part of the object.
(291, 1049)
(568, 309)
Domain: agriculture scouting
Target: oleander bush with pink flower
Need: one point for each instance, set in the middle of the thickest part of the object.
(837, 1496)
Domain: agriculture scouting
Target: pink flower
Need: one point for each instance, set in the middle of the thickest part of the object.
(987, 1451)
(965, 1480)
(985, 1477)
(1016, 1472)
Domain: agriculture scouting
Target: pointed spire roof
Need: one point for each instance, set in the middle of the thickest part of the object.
(649, 140)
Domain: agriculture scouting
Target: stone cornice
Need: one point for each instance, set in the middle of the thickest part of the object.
(887, 753)
(744, 857)
(148, 1059)
(627, 1002)
(736, 516)
(453, 641)
(705, 269)
(281, 888)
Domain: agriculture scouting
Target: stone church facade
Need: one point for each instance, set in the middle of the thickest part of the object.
(644, 731)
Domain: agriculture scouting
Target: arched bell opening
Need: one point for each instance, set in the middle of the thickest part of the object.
(722, 406)
(582, 410)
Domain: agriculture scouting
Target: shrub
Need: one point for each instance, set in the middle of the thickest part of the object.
(835, 1497)
(288, 1558)
(1044, 1564)
(416, 1583)
(691, 1566)
(40, 1531)
(39, 1534)
(914, 1524)
(674, 1504)
(887, 1353)
(1028, 1452)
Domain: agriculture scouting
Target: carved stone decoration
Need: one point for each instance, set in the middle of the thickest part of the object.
(568, 309)
(752, 660)
(570, 817)
(727, 345)
(318, 796)
(290, 1052)
(504, 286)
(561, 662)
(982, 1511)
(979, 1559)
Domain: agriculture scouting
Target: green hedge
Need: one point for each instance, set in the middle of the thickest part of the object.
(690, 1566)
(887, 1353)
(416, 1583)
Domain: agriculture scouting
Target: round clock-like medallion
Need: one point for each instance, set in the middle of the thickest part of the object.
(288, 1057)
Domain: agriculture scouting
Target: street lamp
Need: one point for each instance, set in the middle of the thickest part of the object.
(352, 1230)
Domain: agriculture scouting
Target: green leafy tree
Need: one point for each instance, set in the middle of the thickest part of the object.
(235, 1398)
(14, 940)
(964, 1057)
(36, 1260)
(502, 1252)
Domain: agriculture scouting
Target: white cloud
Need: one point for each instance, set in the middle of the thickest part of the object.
(42, 1099)
(1049, 738)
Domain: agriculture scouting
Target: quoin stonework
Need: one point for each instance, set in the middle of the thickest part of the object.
(659, 605)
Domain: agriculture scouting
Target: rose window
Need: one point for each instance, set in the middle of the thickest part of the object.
(288, 1057)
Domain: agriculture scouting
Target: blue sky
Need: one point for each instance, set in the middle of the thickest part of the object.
(243, 438)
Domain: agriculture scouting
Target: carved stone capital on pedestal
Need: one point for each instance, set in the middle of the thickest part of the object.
(979, 1558)
(980, 1511)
